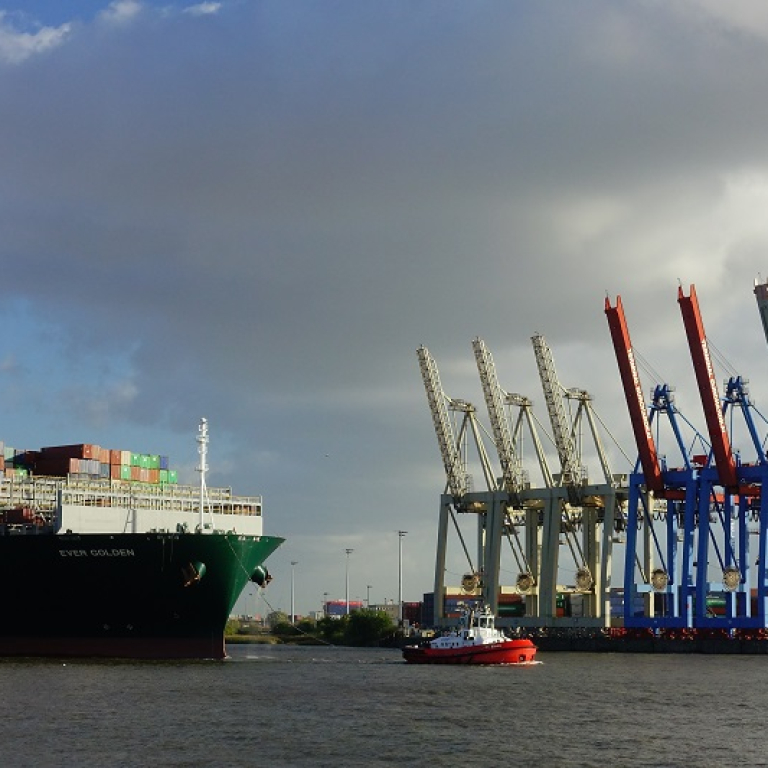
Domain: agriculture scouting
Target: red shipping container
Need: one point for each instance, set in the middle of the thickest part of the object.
(76, 451)
(115, 457)
(20, 515)
(57, 466)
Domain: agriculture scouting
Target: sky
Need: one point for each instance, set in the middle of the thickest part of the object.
(255, 211)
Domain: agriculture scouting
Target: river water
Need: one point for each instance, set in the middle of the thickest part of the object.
(278, 706)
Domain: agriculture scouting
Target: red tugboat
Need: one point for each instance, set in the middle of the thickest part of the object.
(476, 642)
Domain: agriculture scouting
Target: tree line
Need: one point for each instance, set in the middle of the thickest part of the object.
(364, 627)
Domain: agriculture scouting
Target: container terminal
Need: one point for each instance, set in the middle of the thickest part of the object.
(670, 557)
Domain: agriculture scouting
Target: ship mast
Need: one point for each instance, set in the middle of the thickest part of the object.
(202, 449)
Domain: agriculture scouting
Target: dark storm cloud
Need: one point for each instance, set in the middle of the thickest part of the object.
(270, 207)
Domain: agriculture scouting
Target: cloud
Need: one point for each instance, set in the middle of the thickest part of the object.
(121, 11)
(203, 9)
(16, 45)
(264, 234)
(749, 17)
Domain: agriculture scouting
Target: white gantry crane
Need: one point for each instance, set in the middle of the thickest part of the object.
(454, 458)
(458, 496)
(495, 398)
(571, 471)
(533, 519)
(584, 501)
(517, 508)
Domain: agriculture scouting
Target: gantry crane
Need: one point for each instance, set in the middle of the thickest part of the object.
(458, 496)
(710, 399)
(653, 528)
(633, 391)
(680, 529)
(511, 466)
(730, 494)
(592, 556)
(536, 559)
(571, 471)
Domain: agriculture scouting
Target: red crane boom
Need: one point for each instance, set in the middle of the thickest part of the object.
(710, 399)
(633, 391)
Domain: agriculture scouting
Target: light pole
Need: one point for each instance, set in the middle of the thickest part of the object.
(400, 535)
(325, 603)
(368, 597)
(294, 563)
(349, 552)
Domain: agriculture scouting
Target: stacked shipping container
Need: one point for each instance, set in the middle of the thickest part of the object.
(88, 461)
(8, 464)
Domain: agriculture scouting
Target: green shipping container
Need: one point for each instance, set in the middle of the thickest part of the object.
(154, 461)
(125, 472)
(135, 460)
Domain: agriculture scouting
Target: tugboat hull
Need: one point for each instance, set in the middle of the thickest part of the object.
(511, 652)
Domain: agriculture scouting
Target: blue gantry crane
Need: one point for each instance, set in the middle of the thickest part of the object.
(695, 520)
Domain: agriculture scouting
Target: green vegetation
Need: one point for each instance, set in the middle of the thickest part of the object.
(360, 628)
(243, 631)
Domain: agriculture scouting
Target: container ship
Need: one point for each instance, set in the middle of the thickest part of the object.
(104, 554)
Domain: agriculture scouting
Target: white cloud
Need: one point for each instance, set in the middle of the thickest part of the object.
(121, 11)
(203, 9)
(747, 16)
(17, 46)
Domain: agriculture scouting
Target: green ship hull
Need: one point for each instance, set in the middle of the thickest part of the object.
(130, 595)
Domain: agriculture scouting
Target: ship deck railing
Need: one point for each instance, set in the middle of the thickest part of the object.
(47, 493)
